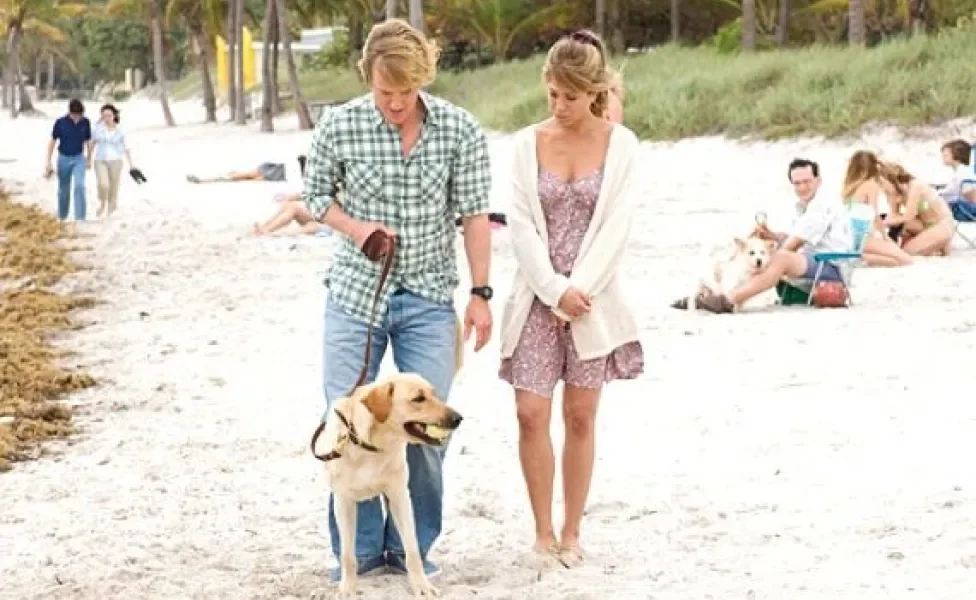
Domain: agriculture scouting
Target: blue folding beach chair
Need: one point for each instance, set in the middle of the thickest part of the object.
(861, 219)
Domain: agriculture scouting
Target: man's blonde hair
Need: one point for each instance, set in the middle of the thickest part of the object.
(404, 55)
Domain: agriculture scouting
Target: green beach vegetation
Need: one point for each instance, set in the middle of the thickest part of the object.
(768, 68)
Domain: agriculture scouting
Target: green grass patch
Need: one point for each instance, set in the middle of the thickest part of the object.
(674, 92)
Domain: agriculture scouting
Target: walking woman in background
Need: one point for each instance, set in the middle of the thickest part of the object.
(110, 148)
(575, 189)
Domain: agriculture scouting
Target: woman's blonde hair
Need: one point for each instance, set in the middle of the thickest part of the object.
(863, 166)
(578, 62)
(404, 55)
(897, 176)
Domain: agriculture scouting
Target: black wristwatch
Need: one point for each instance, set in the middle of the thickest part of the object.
(485, 292)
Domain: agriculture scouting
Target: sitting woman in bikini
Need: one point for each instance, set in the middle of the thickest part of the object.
(927, 219)
(862, 183)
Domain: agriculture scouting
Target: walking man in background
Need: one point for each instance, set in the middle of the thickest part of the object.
(408, 163)
(73, 135)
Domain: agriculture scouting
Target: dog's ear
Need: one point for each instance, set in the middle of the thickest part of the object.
(740, 243)
(379, 402)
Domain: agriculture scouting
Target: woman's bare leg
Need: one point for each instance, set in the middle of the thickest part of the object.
(534, 414)
(579, 416)
(931, 241)
(285, 215)
(884, 253)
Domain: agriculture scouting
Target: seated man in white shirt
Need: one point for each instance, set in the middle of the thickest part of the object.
(821, 225)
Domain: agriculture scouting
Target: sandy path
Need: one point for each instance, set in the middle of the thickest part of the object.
(793, 454)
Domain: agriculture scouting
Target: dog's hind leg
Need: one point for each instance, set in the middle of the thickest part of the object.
(345, 514)
(401, 509)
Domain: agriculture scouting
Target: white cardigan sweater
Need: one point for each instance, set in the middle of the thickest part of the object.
(609, 324)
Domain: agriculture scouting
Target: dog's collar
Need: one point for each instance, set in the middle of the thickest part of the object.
(349, 437)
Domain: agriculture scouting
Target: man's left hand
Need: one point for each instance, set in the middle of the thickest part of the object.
(478, 317)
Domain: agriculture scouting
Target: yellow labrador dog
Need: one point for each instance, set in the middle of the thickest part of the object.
(368, 433)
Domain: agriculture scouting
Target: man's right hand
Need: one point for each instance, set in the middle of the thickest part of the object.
(362, 230)
(574, 303)
(48, 171)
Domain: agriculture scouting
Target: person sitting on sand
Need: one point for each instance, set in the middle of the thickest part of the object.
(292, 209)
(266, 171)
(822, 224)
(862, 183)
(927, 219)
(960, 191)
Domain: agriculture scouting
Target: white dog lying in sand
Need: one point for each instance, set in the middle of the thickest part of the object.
(368, 433)
(729, 267)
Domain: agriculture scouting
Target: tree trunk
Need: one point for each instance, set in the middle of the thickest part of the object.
(275, 62)
(242, 91)
(159, 67)
(783, 24)
(675, 21)
(38, 67)
(204, 52)
(416, 14)
(26, 105)
(233, 33)
(301, 108)
(600, 9)
(13, 48)
(916, 16)
(855, 20)
(748, 25)
(267, 82)
(49, 91)
(391, 6)
(616, 38)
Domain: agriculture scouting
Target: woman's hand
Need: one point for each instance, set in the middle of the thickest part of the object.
(574, 303)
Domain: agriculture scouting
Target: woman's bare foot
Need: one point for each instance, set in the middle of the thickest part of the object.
(546, 549)
(570, 552)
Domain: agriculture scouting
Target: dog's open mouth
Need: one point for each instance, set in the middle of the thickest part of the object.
(430, 434)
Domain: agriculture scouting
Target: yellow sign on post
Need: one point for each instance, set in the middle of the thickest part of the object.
(224, 62)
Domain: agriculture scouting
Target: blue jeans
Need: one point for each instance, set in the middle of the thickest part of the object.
(71, 168)
(422, 335)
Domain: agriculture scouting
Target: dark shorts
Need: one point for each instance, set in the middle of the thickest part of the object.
(272, 171)
(963, 211)
(830, 272)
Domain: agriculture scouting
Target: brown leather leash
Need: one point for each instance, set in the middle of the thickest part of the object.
(378, 246)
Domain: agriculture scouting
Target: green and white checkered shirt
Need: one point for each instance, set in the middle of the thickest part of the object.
(447, 174)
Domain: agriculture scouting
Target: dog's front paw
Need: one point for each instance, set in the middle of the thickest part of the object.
(423, 589)
(347, 589)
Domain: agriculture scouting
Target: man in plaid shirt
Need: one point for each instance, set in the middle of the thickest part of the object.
(408, 164)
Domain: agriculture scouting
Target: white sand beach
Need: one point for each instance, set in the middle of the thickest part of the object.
(788, 454)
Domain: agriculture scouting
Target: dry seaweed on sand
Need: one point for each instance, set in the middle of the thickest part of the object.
(32, 382)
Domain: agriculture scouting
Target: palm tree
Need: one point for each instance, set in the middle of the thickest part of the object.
(203, 21)
(152, 12)
(268, 83)
(749, 25)
(675, 21)
(498, 22)
(232, 37)
(855, 29)
(783, 24)
(18, 17)
(301, 108)
(415, 10)
(391, 6)
(240, 110)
